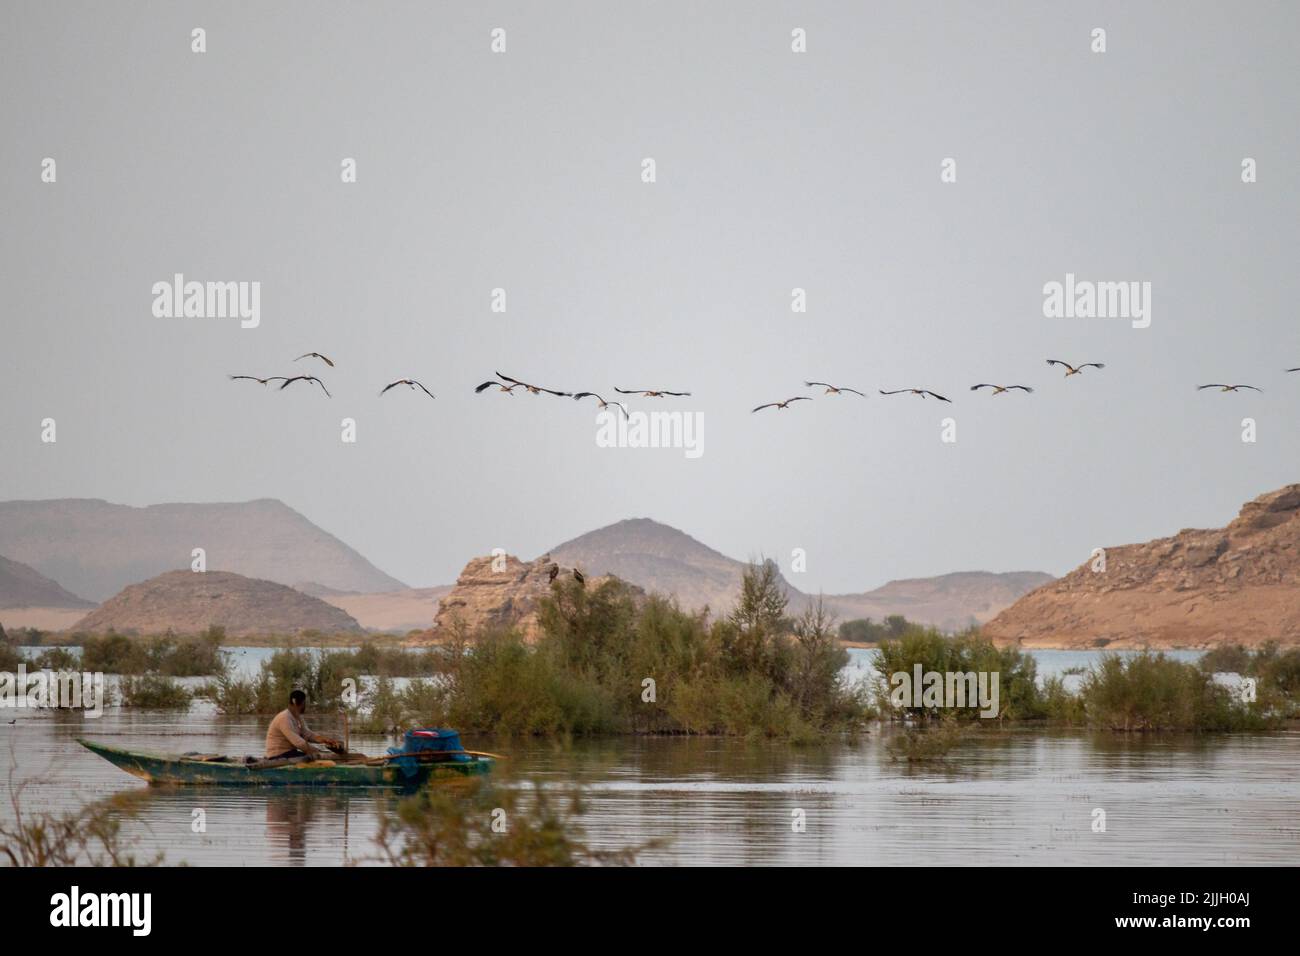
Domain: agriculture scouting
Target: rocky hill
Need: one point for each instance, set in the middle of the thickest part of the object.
(21, 586)
(486, 597)
(95, 548)
(662, 559)
(1196, 589)
(188, 602)
(948, 601)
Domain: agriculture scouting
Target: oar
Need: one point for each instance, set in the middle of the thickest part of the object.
(421, 754)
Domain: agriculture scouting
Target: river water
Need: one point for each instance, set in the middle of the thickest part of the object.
(1021, 796)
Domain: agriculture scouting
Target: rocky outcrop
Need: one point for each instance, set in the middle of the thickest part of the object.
(187, 602)
(1196, 589)
(21, 586)
(500, 592)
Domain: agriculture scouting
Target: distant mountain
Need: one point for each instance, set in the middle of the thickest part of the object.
(949, 601)
(96, 548)
(21, 586)
(188, 602)
(1199, 588)
(392, 611)
(660, 558)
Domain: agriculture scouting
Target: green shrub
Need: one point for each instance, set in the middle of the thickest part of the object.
(927, 744)
(154, 691)
(58, 659)
(1019, 697)
(454, 827)
(1153, 692)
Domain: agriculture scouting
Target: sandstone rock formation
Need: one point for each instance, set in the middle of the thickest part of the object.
(508, 597)
(187, 603)
(1196, 589)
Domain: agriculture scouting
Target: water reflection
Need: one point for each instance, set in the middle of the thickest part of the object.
(1019, 795)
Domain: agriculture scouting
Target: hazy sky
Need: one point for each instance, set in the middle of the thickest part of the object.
(775, 171)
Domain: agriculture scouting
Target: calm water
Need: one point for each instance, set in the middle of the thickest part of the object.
(1018, 797)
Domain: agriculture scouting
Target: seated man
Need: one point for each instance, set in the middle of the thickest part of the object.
(289, 735)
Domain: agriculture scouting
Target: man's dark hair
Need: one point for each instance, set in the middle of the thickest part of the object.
(298, 697)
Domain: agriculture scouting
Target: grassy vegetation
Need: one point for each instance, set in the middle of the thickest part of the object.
(606, 663)
(154, 691)
(1154, 692)
(932, 744)
(9, 656)
(166, 654)
(1138, 692)
(1020, 697)
(866, 631)
(328, 677)
(479, 824)
(88, 836)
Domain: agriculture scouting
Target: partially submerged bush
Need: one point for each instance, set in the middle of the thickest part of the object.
(168, 654)
(1148, 691)
(608, 663)
(1019, 697)
(478, 824)
(154, 691)
(929, 744)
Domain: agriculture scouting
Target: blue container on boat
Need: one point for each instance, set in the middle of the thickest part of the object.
(428, 740)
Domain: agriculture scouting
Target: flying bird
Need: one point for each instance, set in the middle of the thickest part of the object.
(916, 391)
(508, 389)
(1293, 370)
(999, 389)
(410, 383)
(785, 404)
(260, 381)
(306, 378)
(1227, 388)
(648, 392)
(534, 389)
(1071, 370)
(600, 401)
(834, 389)
(314, 355)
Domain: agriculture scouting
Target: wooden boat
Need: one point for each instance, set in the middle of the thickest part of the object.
(334, 770)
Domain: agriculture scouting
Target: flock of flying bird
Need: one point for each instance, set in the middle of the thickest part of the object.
(507, 385)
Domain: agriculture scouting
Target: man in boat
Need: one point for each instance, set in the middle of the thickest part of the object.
(289, 735)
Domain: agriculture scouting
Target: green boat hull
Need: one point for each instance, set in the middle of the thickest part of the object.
(177, 769)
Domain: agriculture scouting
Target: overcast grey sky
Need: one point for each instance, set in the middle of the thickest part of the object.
(775, 170)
